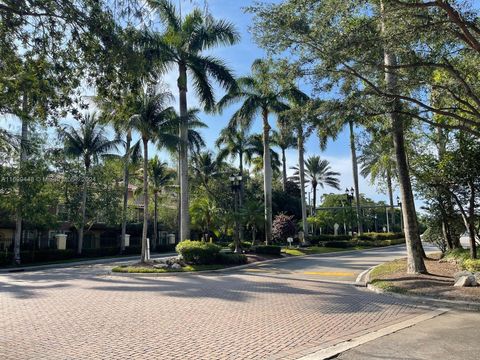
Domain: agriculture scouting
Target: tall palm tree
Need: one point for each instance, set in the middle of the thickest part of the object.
(182, 45)
(207, 167)
(155, 121)
(90, 143)
(318, 172)
(160, 176)
(261, 94)
(284, 139)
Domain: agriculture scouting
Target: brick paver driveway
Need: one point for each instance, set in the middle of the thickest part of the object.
(71, 314)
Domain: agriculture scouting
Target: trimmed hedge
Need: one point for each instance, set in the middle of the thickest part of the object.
(231, 259)
(339, 244)
(267, 249)
(198, 252)
(315, 240)
(380, 236)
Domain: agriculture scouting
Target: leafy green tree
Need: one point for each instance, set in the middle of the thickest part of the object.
(182, 45)
(358, 46)
(90, 143)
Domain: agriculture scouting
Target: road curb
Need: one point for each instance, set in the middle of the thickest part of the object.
(331, 352)
(105, 261)
(240, 267)
(455, 304)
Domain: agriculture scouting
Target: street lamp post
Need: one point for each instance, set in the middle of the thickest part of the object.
(350, 198)
(236, 185)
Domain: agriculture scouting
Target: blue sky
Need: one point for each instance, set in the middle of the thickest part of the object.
(239, 58)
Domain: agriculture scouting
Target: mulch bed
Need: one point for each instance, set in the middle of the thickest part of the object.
(438, 283)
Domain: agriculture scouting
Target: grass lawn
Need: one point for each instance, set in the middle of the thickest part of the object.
(387, 269)
(317, 250)
(151, 270)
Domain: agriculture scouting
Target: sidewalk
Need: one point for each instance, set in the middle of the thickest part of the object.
(60, 265)
(453, 335)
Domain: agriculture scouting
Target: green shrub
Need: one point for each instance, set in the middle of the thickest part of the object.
(315, 240)
(198, 252)
(231, 259)
(338, 244)
(380, 236)
(472, 265)
(457, 254)
(267, 249)
(245, 245)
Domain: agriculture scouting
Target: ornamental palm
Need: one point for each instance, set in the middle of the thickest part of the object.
(255, 155)
(207, 167)
(378, 161)
(155, 121)
(182, 45)
(90, 143)
(318, 172)
(160, 176)
(260, 94)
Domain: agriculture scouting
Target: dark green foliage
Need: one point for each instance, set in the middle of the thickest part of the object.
(315, 240)
(198, 252)
(380, 236)
(231, 259)
(162, 248)
(267, 250)
(283, 202)
(339, 244)
(245, 245)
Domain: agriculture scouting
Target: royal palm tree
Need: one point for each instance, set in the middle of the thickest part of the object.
(160, 176)
(155, 121)
(90, 143)
(261, 94)
(318, 172)
(181, 46)
(284, 139)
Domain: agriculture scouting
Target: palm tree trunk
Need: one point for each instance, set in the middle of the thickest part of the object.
(254, 235)
(284, 171)
(83, 208)
(267, 178)
(314, 210)
(145, 200)
(18, 211)
(183, 155)
(301, 173)
(241, 195)
(125, 191)
(155, 218)
(415, 263)
(355, 179)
